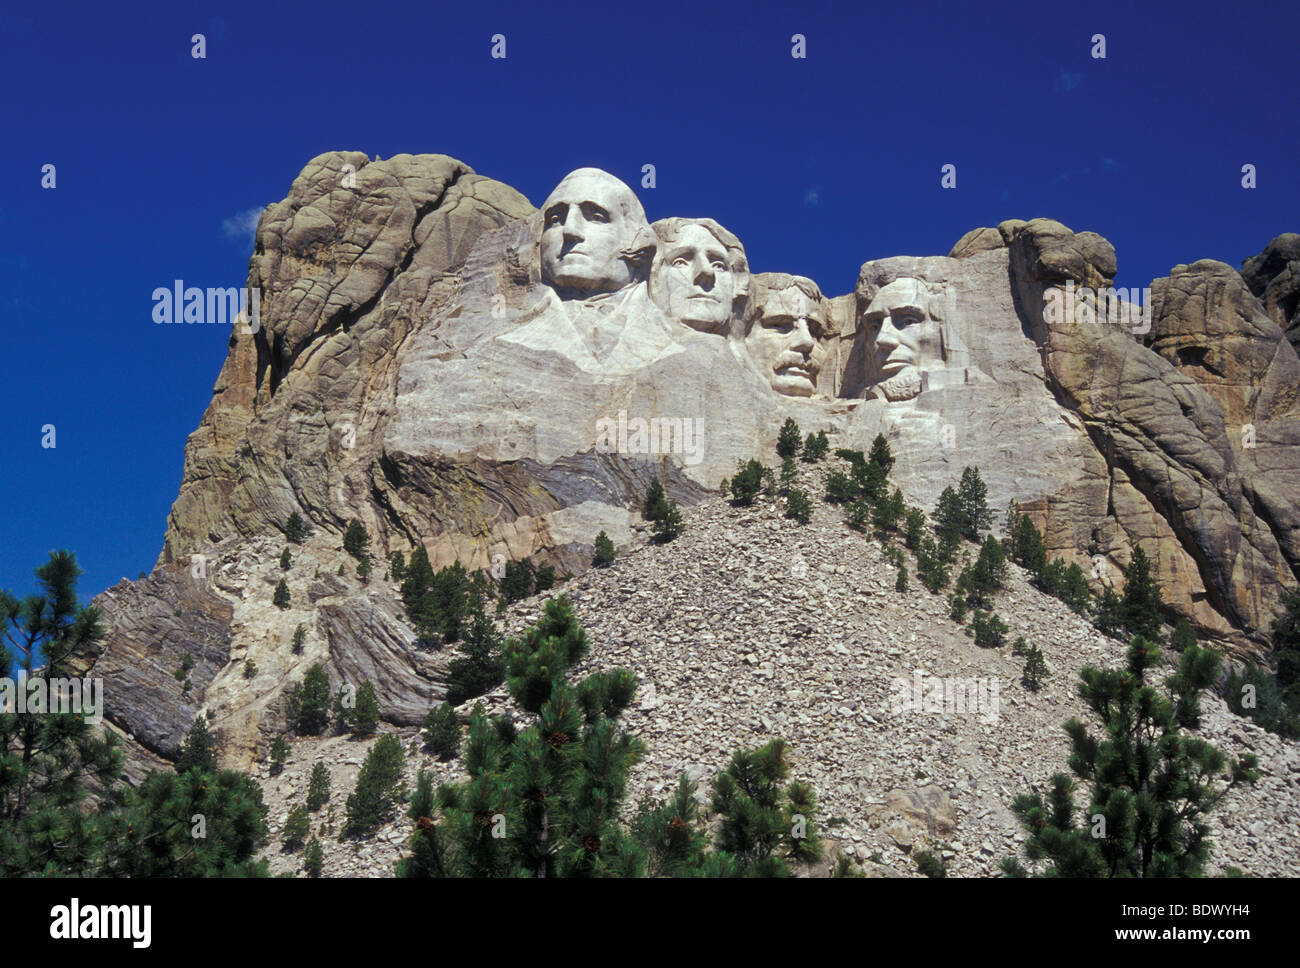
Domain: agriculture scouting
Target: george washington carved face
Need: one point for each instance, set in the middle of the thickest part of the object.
(594, 237)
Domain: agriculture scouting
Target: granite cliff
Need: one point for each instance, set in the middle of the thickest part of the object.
(455, 368)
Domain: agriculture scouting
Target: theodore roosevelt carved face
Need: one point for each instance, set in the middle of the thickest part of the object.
(785, 326)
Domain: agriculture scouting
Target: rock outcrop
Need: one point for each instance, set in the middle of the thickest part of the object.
(1274, 279)
(456, 369)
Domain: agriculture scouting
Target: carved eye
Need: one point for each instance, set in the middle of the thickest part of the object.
(720, 265)
(907, 319)
(594, 213)
(681, 261)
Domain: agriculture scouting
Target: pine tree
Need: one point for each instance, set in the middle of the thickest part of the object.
(604, 550)
(815, 447)
(873, 482)
(365, 715)
(1151, 785)
(975, 516)
(376, 793)
(931, 864)
(1183, 636)
(543, 801)
(798, 506)
(478, 666)
(789, 472)
(297, 828)
(199, 750)
(396, 566)
(881, 454)
(299, 638)
(363, 571)
(286, 559)
(1109, 617)
(1035, 670)
(250, 669)
(442, 731)
(1073, 588)
(295, 529)
(279, 753)
(747, 482)
(64, 808)
(313, 858)
(517, 583)
(1256, 694)
(889, 512)
(669, 524)
(318, 788)
(914, 528)
(670, 833)
(761, 826)
(543, 579)
(989, 629)
(1141, 604)
(839, 488)
(656, 499)
(355, 539)
(153, 834)
(1024, 543)
(930, 567)
(308, 703)
(281, 597)
(1286, 638)
(900, 583)
(948, 513)
(341, 572)
(417, 579)
(789, 440)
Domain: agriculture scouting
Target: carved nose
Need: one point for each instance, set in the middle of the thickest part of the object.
(887, 338)
(704, 277)
(803, 341)
(573, 226)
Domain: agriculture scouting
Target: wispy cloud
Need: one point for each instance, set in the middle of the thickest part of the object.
(242, 226)
(813, 196)
(1066, 82)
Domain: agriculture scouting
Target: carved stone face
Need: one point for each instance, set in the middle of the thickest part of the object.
(694, 281)
(589, 224)
(784, 340)
(908, 339)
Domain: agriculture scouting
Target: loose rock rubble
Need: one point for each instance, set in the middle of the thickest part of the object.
(749, 626)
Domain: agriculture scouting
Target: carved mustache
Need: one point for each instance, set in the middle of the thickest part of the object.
(790, 358)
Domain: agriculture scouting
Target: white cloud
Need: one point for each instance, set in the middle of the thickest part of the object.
(243, 225)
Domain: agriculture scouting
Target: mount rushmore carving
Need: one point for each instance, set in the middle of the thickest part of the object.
(461, 370)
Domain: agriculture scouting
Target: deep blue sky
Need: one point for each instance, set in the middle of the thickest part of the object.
(816, 164)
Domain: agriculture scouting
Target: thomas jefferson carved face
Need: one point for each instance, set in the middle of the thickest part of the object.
(592, 228)
(908, 337)
(784, 336)
(693, 280)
